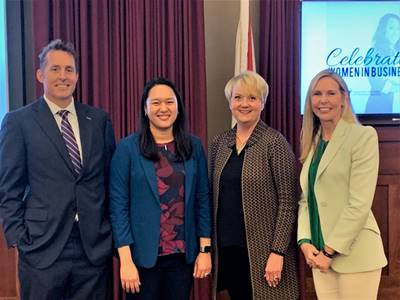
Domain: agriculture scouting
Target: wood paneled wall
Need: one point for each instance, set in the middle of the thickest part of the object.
(386, 208)
(8, 278)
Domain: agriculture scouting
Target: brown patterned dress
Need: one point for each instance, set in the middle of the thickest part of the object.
(269, 199)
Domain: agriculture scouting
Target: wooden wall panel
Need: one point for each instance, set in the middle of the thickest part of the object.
(8, 281)
(387, 210)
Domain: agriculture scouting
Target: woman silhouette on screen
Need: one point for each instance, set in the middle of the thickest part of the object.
(385, 90)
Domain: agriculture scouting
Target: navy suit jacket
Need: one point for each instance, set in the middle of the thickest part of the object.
(39, 191)
(135, 204)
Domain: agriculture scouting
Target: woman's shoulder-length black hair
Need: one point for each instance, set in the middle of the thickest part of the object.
(182, 140)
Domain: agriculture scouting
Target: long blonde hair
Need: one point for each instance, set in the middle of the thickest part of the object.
(311, 123)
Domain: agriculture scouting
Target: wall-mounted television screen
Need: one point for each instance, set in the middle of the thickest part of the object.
(359, 40)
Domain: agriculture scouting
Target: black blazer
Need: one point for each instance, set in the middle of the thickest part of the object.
(39, 190)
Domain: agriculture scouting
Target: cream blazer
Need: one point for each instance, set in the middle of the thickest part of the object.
(344, 188)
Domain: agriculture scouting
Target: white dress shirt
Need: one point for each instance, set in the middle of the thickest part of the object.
(72, 118)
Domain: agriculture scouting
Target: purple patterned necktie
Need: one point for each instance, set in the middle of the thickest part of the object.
(70, 141)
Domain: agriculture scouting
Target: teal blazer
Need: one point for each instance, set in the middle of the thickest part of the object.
(345, 188)
(135, 204)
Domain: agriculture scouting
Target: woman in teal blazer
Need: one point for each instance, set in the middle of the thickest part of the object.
(159, 201)
(337, 231)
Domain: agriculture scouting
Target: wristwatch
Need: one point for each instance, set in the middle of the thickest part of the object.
(205, 249)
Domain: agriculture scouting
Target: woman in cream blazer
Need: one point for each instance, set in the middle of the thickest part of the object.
(337, 231)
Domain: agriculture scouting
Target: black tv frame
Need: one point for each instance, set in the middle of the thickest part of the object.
(383, 119)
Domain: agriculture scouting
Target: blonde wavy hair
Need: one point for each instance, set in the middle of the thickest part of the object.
(311, 123)
(251, 80)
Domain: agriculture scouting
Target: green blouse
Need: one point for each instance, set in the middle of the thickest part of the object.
(316, 234)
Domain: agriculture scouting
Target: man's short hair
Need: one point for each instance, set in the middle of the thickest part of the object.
(59, 45)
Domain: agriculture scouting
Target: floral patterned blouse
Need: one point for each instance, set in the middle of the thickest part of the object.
(171, 188)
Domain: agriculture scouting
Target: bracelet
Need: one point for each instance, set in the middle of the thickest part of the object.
(330, 256)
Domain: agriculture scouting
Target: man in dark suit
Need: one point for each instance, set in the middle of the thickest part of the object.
(54, 163)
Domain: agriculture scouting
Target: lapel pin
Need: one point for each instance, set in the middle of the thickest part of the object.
(89, 118)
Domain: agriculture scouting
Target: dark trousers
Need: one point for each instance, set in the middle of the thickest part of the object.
(71, 276)
(234, 272)
(170, 279)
